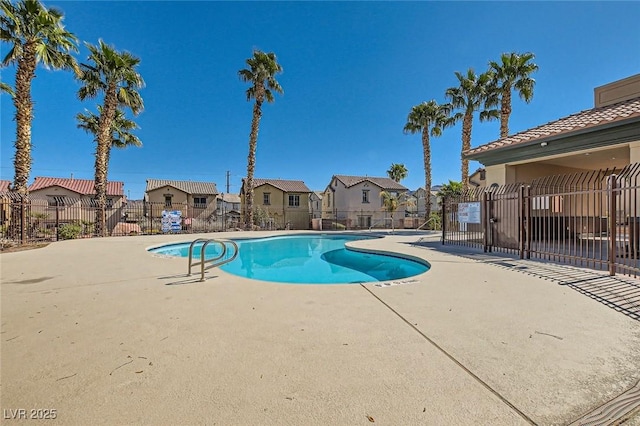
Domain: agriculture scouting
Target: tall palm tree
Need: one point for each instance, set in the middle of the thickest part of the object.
(114, 74)
(512, 72)
(261, 73)
(428, 118)
(37, 36)
(397, 172)
(121, 129)
(472, 94)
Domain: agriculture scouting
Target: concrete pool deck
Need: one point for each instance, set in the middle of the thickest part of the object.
(103, 332)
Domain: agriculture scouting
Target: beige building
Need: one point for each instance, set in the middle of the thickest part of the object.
(70, 200)
(355, 201)
(195, 200)
(279, 203)
(605, 136)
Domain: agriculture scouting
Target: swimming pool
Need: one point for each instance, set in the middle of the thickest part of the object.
(306, 259)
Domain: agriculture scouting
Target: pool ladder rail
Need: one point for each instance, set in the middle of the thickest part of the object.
(214, 262)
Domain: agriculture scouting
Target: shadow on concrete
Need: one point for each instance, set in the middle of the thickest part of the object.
(190, 279)
(618, 292)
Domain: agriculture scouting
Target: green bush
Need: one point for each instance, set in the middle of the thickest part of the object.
(69, 231)
(435, 221)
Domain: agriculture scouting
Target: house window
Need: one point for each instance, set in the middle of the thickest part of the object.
(365, 195)
(199, 202)
(56, 200)
(294, 200)
(167, 200)
(266, 198)
(364, 221)
(93, 202)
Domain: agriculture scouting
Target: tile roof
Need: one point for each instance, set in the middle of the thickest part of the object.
(282, 184)
(230, 198)
(4, 185)
(580, 121)
(204, 188)
(382, 182)
(81, 186)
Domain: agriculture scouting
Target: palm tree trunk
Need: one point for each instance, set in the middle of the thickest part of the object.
(24, 116)
(467, 122)
(251, 160)
(505, 112)
(102, 158)
(426, 150)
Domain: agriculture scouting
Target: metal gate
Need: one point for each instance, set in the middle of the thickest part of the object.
(589, 219)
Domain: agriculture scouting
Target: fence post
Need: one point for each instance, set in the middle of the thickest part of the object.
(611, 187)
(57, 221)
(528, 219)
(444, 218)
(485, 220)
(23, 220)
(521, 221)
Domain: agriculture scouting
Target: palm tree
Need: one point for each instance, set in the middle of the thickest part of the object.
(121, 136)
(513, 72)
(391, 202)
(114, 74)
(472, 93)
(37, 36)
(261, 75)
(451, 189)
(428, 118)
(397, 172)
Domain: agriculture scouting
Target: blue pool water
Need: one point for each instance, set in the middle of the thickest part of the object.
(305, 259)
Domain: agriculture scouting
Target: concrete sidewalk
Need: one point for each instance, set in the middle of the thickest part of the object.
(105, 333)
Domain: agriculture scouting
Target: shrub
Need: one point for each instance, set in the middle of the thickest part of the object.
(435, 221)
(69, 231)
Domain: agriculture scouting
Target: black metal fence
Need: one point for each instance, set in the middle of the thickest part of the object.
(338, 220)
(25, 220)
(589, 219)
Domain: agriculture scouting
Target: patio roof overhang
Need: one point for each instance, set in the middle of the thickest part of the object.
(606, 135)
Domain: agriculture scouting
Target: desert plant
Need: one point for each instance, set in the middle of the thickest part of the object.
(69, 231)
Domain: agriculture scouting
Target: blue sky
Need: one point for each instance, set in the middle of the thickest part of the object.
(352, 72)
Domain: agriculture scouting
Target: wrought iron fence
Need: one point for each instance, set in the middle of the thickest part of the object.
(26, 220)
(589, 219)
(338, 220)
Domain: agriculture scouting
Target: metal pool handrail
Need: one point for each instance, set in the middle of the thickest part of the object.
(213, 262)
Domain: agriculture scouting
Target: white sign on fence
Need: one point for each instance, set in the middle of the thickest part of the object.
(469, 212)
(171, 221)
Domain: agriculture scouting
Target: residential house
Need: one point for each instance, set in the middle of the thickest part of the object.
(417, 207)
(605, 136)
(478, 178)
(315, 204)
(228, 208)
(196, 201)
(70, 200)
(584, 147)
(355, 201)
(279, 203)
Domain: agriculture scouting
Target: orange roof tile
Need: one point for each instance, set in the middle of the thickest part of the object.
(81, 186)
(282, 184)
(4, 185)
(580, 121)
(382, 182)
